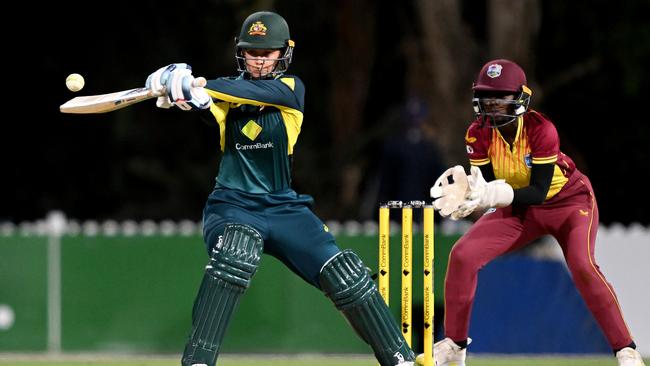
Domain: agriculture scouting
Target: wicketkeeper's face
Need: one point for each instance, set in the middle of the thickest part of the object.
(260, 63)
(497, 104)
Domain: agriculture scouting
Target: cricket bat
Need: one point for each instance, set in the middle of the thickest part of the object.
(111, 102)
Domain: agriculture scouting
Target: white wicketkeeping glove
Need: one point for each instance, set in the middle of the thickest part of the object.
(186, 92)
(157, 80)
(450, 195)
(482, 194)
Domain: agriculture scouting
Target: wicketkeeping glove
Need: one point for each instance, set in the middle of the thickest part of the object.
(185, 91)
(482, 194)
(450, 195)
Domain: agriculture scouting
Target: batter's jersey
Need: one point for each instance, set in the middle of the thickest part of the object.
(536, 142)
(259, 123)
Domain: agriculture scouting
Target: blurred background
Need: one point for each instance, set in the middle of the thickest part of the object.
(388, 100)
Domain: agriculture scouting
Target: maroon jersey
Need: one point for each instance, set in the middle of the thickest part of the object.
(536, 142)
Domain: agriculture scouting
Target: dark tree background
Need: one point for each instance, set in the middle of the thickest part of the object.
(378, 77)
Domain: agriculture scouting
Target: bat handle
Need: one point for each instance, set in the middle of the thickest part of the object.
(199, 82)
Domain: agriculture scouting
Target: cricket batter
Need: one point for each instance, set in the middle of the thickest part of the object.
(533, 189)
(253, 209)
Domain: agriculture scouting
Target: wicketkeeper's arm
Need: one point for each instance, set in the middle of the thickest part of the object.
(535, 193)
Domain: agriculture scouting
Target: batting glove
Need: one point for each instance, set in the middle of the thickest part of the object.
(186, 92)
(157, 80)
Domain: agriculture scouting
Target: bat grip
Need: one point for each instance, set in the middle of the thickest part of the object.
(199, 82)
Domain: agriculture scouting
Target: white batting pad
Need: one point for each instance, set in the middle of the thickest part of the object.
(450, 195)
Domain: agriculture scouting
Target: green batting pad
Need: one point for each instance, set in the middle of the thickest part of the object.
(227, 276)
(346, 282)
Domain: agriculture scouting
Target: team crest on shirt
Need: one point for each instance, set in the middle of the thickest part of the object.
(469, 149)
(494, 70)
(528, 160)
(257, 29)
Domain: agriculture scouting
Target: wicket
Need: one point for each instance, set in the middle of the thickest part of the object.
(407, 267)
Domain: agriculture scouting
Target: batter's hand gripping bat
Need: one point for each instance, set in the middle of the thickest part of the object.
(110, 102)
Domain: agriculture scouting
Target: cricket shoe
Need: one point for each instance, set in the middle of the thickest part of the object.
(446, 353)
(406, 363)
(629, 357)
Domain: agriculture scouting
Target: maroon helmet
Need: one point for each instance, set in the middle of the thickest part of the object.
(500, 82)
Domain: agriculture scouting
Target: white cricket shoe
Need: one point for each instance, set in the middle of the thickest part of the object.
(448, 353)
(406, 363)
(199, 364)
(629, 357)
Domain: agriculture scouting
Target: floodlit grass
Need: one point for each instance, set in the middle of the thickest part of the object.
(303, 360)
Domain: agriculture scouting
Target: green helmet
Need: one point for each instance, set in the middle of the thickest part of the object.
(265, 30)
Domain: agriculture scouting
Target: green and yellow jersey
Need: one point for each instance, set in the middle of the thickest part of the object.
(259, 123)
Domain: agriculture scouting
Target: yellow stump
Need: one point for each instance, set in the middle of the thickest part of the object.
(429, 299)
(407, 269)
(384, 252)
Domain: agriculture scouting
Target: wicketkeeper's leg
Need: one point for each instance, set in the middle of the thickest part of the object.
(231, 268)
(344, 279)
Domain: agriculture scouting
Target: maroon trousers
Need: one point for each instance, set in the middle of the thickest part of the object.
(572, 218)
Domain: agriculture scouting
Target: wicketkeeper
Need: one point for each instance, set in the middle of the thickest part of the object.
(529, 189)
(253, 209)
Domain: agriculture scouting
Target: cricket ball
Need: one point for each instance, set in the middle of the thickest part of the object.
(74, 82)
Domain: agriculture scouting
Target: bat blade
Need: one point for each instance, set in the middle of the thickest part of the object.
(106, 102)
(110, 102)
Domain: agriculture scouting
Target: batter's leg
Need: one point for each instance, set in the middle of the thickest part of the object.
(346, 282)
(231, 268)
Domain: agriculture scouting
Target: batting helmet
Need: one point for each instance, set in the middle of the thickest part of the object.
(265, 30)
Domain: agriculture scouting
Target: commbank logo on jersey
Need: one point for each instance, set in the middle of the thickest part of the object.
(251, 130)
(494, 70)
(257, 29)
(528, 160)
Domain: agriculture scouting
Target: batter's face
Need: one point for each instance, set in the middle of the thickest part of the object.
(260, 63)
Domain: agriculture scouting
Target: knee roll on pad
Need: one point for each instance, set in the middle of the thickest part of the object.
(235, 260)
(232, 266)
(346, 282)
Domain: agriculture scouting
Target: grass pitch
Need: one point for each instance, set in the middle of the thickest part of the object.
(276, 360)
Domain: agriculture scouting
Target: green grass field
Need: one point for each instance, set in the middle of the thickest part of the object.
(303, 360)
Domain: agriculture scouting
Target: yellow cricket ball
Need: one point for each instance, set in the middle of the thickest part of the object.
(74, 82)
